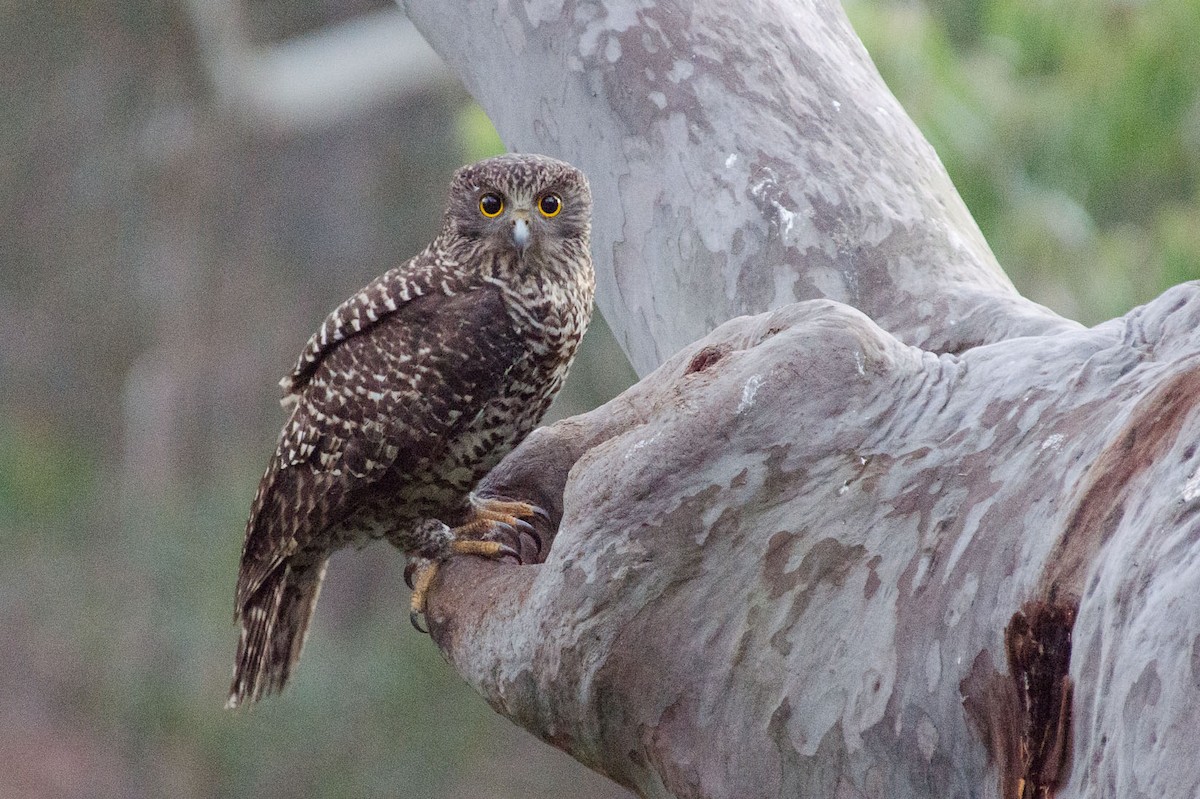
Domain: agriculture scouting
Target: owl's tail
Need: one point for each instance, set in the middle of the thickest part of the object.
(274, 620)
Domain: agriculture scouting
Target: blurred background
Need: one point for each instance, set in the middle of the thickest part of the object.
(188, 186)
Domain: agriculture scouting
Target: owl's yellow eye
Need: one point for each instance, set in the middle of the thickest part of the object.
(490, 205)
(550, 205)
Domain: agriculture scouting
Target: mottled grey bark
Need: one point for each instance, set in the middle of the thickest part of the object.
(789, 557)
(943, 545)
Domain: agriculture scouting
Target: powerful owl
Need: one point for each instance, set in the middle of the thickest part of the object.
(409, 393)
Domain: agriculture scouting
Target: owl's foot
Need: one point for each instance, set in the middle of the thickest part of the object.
(494, 516)
(493, 529)
(419, 574)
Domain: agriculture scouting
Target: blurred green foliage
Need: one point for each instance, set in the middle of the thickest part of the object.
(477, 134)
(1072, 131)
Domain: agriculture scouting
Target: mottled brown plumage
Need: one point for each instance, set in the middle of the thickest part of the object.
(411, 391)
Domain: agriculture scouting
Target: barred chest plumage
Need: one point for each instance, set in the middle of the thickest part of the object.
(551, 320)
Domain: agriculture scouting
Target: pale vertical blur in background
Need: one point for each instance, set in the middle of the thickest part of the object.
(188, 186)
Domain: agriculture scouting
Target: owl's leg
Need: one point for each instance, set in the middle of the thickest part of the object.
(419, 577)
(420, 572)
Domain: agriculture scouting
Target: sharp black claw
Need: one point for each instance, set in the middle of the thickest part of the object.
(537, 542)
(410, 569)
(531, 531)
(501, 532)
(507, 551)
(415, 618)
(538, 511)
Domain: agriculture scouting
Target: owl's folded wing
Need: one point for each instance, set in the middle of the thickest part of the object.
(394, 395)
(427, 273)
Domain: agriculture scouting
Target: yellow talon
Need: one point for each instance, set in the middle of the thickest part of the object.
(485, 515)
(429, 569)
(420, 594)
(504, 510)
(487, 549)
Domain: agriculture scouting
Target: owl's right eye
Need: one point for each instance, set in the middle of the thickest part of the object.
(490, 205)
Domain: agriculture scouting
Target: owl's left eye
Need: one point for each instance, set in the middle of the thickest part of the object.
(490, 205)
(550, 205)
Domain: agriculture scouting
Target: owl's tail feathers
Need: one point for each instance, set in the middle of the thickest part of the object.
(274, 621)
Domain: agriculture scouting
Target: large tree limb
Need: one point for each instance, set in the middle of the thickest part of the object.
(790, 556)
(743, 156)
(945, 548)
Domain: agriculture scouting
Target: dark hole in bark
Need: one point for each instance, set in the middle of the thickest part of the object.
(705, 358)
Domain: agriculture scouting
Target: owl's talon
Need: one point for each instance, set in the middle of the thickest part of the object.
(523, 526)
(492, 512)
(490, 520)
(535, 537)
(419, 573)
(531, 531)
(425, 571)
(502, 528)
(487, 549)
(490, 507)
(414, 618)
(508, 533)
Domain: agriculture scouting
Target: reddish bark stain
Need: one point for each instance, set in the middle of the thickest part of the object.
(1153, 427)
(873, 581)
(828, 561)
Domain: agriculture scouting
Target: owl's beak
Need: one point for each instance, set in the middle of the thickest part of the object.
(520, 232)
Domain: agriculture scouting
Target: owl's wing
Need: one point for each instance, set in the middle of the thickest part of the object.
(393, 393)
(379, 299)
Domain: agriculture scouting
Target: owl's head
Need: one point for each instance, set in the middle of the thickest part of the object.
(527, 206)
